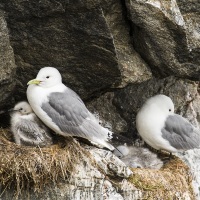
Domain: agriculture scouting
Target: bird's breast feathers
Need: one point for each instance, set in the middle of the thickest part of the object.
(38, 95)
(145, 122)
(150, 128)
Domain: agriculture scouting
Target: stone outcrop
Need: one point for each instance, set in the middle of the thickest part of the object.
(7, 63)
(133, 68)
(167, 40)
(192, 159)
(74, 37)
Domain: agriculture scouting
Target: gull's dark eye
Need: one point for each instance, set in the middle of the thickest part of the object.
(21, 109)
(47, 76)
(170, 110)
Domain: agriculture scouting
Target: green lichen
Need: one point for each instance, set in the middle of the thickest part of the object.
(173, 181)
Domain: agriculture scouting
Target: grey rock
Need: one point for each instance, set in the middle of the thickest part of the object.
(192, 159)
(161, 36)
(7, 63)
(110, 164)
(133, 68)
(87, 41)
(191, 15)
(73, 37)
(106, 112)
(188, 6)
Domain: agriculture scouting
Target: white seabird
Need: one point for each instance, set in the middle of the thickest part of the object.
(27, 128)
(162, 129)
(62, 110)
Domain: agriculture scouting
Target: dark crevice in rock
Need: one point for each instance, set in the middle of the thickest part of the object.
(98, 94)
(132, 67)
(139, 46)
(125, 14)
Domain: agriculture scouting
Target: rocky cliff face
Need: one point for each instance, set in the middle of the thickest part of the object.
(114, 54)
(8, 67)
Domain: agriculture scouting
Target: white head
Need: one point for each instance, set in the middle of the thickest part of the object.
(23, 108)
(47, 77)
(162, 103)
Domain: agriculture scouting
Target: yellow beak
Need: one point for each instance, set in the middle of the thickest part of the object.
(34, 81)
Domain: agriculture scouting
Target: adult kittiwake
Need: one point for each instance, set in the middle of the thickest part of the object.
(27, 128)
(162, 129)
(62, 110)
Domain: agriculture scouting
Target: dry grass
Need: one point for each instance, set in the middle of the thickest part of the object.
(173, 181)
(22, 167)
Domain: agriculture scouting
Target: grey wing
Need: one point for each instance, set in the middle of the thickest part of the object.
(180, 133)
(70, 114)
(32, 134)
(43, 128)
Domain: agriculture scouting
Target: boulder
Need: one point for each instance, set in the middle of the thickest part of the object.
(167, 40)
(132, 67)
(73, 37)
(109, 117)
(7, 63)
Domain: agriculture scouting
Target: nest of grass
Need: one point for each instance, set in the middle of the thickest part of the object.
(172, 181)
(22, 167)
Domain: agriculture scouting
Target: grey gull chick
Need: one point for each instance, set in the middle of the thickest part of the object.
(162, 129)
(138, 157)
(62, 110)
(27, 128)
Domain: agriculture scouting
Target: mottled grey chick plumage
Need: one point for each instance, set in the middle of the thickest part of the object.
(138, 157)
(27, 128)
